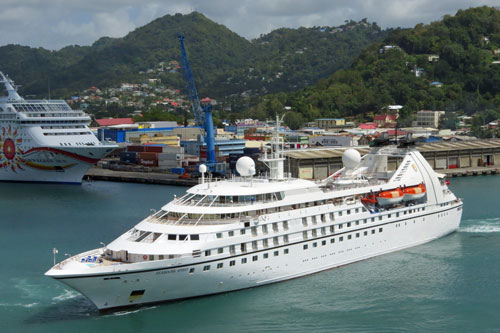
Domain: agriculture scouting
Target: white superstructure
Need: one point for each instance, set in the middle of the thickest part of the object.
(45, 140)
(248, 231)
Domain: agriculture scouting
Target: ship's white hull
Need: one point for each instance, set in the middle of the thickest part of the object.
(52, 164)
(164, 282)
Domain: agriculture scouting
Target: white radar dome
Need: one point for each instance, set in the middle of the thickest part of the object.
(351, 158)
(202, 168)
(245, 166)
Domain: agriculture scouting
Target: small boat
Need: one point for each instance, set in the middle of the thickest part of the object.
(390, 197)
(414, 192)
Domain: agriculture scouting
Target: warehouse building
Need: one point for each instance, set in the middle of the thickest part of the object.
(319, 163)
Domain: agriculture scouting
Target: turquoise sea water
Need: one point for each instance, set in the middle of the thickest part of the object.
(449, 285)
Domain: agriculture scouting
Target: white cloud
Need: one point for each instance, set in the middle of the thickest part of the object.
(56, 23)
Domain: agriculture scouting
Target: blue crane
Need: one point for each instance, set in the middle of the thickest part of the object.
(203, 117)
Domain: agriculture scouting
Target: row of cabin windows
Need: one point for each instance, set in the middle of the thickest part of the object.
(243, 260)
(265, 243)
(278, 195)
(341, 238)
(183, 237)
(232, 199)
(315, 232)
(254, 230)
(286, 251)
(53, 121)
(66, 133)
(285, 226)
(397, 214)
(41, 107)
(315, 219)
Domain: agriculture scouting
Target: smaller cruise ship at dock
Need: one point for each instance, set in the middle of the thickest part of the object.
(250, 231)
(45, 140)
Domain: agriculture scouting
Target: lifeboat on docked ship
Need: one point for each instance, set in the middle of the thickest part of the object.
(414, 192)
(390, 197)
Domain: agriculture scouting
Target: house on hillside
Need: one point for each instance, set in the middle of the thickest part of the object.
(382, 119)
(432, 57)
(208, 100)
(388, 48)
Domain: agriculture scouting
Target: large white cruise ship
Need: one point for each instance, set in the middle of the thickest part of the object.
(248, 231)
(45, 140)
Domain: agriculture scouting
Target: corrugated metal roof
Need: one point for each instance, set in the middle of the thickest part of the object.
(459, 145)
(306, 154)
(318, 153)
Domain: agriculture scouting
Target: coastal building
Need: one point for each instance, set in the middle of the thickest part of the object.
(318, 163)
(157, 124)
(329, 123)
(114, 121)
(332, 140)
(222, 147)
(169, 140)
(243, 125)
(428, 118)
(128, 134)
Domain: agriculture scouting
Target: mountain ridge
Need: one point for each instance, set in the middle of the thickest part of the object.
(220, 58)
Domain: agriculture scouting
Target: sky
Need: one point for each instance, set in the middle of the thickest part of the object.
(53, 24)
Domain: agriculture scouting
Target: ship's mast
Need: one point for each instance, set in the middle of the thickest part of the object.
(274, 157)
(11, 89)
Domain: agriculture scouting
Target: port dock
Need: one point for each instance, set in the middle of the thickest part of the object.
(454, 159)
(151, 177)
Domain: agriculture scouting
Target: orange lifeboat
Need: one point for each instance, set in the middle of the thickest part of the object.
(390, 197)
(414, 192)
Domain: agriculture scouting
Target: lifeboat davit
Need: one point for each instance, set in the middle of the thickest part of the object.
(414, 192)
(369, 199)
(390, 197)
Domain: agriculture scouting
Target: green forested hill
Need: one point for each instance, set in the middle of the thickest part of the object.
(224, 63)
(467, 45)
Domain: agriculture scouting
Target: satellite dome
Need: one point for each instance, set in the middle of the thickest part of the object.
(245, 166)
(202, 168)
(351, 158)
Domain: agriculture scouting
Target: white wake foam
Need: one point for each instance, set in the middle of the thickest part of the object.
(29, 305)
(67, 294)
(480, 229)
(127, 312)
(481, 226)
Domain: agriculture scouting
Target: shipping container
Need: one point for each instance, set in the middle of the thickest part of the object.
(128, 154)
(170, 156)
(129, 160)
(148, 162)
(178, 171)
(251, 151)
(173, 150)
(148, 156)
(153, 149)
(136, 148)
(169, 162)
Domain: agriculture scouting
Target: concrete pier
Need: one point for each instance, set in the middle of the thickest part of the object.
(477, 171)
(137, 177)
